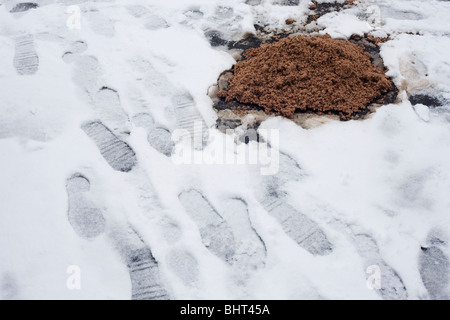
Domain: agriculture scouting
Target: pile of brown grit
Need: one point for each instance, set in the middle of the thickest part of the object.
(303, 73)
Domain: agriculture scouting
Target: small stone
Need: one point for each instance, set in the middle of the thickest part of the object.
(290, 21)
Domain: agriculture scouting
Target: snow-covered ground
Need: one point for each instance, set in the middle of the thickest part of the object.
(93, 205)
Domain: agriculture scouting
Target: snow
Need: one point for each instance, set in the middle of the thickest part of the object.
(423, 112)
(374, 192)
(343, 25)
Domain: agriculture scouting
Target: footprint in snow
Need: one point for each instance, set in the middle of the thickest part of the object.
(158, 137)
(151, 21)
(298, 226)
(86, 72)
(85, 218)
(87, 75)
(250, 248)
(116, 152)
(193, 14)
(253, 2)
(145, 278)
(26, 59)
(88, 222)
(106, 102)
(100, 23)
(9, 289)
(223, 12)
(78, 47)
(161, 140)
(184, 265)
(434, 267)
(286, 2)
(146, 281)
(189, 118)
(295, 224)
(183, 112)
(229, 236)
(23, 7)
(401, 15)
(215, 232)
(392, 287)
